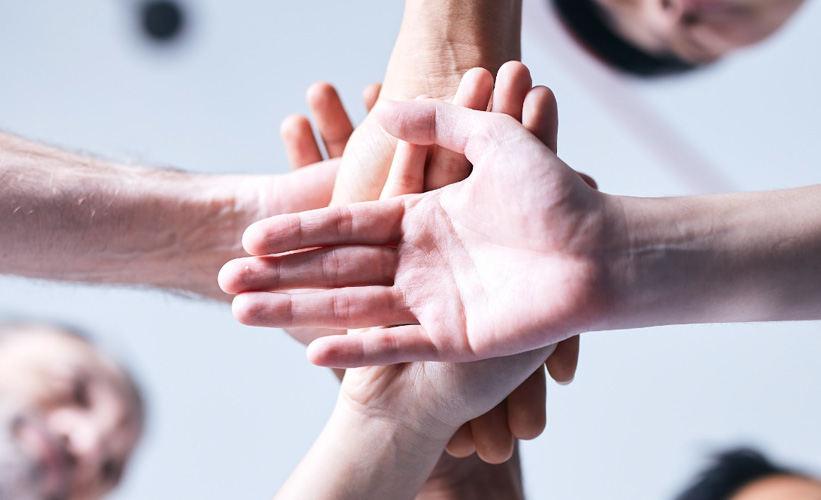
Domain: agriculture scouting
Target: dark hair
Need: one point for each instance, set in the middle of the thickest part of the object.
(589, 24)
(730, 472)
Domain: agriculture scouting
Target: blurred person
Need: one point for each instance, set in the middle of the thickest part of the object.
(649, 38)
(746, 474)
(70, 416)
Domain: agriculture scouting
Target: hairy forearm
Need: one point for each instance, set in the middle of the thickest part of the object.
(441, 39)
(358, 457)
(70, 217)
(723, 258)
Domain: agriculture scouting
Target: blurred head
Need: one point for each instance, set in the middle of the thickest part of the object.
(658, 37)
(745, 474)
(69, 416)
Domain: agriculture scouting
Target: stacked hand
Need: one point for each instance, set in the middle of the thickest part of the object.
(512, 93)
(521, 415)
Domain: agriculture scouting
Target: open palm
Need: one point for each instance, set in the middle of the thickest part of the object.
(500, 263)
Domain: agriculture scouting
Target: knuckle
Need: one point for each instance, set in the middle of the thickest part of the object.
(330, 267)
(340, 308)
(344, 222)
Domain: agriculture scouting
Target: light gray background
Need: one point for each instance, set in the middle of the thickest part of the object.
(233, 408)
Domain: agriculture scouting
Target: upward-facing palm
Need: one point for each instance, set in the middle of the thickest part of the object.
(499, 254)
(497, 264)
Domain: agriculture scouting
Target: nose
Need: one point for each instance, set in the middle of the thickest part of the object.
(82, 439)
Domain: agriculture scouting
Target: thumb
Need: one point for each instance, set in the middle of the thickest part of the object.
(458, 129)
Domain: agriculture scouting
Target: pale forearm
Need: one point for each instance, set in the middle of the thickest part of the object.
(70, 217)
(724, 258)
(362, 458)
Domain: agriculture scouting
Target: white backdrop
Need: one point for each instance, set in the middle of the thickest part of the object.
(234, 408)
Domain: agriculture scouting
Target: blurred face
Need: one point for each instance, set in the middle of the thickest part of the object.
(781, 488)
(72, 425)
(697, 31)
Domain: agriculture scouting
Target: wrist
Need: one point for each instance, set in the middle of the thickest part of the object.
(718, 258)
(358, 456)
(411, 429)
(440, 40)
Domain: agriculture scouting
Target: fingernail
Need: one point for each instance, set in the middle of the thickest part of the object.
(566, 382)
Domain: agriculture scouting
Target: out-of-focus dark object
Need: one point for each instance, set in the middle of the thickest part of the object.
(162, 20)
(736, 469)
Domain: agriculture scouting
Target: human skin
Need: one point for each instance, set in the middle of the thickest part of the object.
(524, 221)
(781, 487)
(368, 432)
(82, 416)
(75, 218)
(392, 423)
(439, 40)
(468, 478)
(522, 414)
(698, 31)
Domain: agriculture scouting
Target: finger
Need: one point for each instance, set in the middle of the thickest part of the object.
(526, 407)
(589, 180)
(330, 116)
(345, 308)
(407, 173)
(513, 82)
(370, 223)
(332, 267)
(300, 144)
(371, 94)
(461, 444)
(540, 115)
(563, 362)
(466, 131)
(378, 346)
(447, 167)
(492, 436)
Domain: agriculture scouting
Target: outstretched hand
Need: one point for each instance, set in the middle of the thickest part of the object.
(503, 262)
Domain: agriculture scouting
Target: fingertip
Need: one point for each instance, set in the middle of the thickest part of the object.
(227, 277)
(475, 89)
(329, 352)
(478, 76)
(256, 237)
(245, 309)
(320, 94)
(461, 445)
(513, 66)
(564, 361)
(499, 453)
(541, 98)
(316, 354)
(292, 126)
(250, 239)
(540, 115)
(514, 73)
(529, 427)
